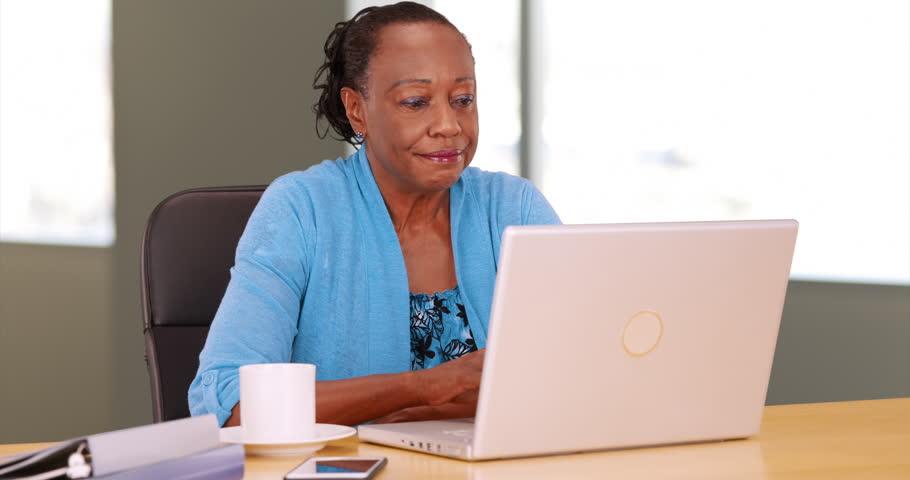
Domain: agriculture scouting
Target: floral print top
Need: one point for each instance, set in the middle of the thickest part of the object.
(439, 329)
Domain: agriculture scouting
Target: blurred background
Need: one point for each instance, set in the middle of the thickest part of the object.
(619, 111)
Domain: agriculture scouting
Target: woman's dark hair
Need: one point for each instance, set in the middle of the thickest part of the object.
(347, 57)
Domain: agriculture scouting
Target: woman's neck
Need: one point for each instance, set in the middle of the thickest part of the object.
(410, 209)
(415, 210)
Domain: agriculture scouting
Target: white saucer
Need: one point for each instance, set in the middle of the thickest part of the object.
(325, 432)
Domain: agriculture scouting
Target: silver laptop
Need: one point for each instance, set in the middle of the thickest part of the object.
(613, 336)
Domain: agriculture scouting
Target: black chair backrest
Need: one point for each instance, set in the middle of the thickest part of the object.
(187, 253)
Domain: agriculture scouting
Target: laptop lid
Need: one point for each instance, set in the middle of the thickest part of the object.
(605, 336)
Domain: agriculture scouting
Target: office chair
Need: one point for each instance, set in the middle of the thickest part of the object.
(187, 253)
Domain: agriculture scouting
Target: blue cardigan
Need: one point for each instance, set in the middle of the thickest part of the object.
(319, 276)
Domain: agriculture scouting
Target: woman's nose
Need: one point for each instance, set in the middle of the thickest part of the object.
(445, 122)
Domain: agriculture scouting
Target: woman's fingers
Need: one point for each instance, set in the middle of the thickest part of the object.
(444, 382)
(445, 411)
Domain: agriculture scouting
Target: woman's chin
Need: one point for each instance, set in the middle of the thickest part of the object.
(441, 180)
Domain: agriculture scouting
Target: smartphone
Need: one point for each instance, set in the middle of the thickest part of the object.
(338, 468)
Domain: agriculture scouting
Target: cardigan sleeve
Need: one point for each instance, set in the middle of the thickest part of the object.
(536, 210)
(257, 319)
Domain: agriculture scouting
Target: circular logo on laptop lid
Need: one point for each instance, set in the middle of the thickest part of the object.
(642, 333)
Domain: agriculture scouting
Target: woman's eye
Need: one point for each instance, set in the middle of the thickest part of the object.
(464, 100)
(414, 103)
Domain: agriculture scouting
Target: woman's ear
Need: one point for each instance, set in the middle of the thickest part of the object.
(355, 108)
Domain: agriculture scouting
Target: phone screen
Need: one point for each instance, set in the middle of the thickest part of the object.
(337, 468)
(344, 466)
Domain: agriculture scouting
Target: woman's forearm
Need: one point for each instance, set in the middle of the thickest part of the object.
(352, 401)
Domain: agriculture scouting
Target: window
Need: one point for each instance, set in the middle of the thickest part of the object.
(659, 110)
(56, 170)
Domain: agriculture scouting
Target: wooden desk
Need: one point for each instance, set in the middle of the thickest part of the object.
(857, 440)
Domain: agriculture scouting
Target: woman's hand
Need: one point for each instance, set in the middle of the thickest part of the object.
(443, 383)
(462, 406)
(445, 391)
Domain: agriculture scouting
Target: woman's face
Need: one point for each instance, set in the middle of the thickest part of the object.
(419, 116)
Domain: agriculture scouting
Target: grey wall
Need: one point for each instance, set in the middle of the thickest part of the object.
(842, 342)
(55, 341)
(211, 92)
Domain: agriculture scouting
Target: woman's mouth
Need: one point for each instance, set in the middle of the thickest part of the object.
(443, 156)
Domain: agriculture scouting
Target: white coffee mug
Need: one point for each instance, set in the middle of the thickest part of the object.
(278, 402)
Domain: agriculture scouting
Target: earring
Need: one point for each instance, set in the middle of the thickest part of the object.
(359, 135)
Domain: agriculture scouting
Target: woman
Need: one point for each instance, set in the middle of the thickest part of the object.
(335, 260)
